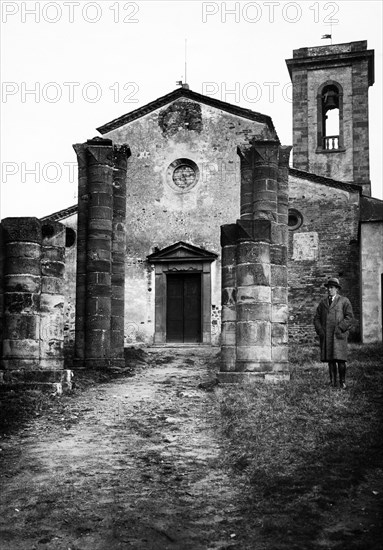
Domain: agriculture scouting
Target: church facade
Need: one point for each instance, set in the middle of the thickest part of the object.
(182, 179)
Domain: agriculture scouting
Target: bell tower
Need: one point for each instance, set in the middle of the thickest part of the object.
(330, 111)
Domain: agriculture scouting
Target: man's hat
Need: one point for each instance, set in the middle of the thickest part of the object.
(333, 281)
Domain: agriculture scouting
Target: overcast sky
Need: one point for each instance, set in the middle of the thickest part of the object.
(68, 67)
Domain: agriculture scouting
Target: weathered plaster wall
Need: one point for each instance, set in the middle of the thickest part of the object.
(159, 214)
(371, 236)
(326, 244)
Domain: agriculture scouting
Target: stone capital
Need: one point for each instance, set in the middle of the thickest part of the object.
(259, 152)
(265, 152)
(101, 150)
(22, 230)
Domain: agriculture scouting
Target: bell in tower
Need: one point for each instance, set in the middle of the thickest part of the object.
(330, 98)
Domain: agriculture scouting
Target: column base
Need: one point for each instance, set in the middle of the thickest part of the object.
(252, 377)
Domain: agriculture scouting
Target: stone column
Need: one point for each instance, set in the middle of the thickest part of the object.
(101, 249)
(246, 167)
(82, 216)
(22, 288)
(121, 156)
(279, 267)
(253, 301)
(99, 254)
(260, 283)
(52, 296)
(254, 352)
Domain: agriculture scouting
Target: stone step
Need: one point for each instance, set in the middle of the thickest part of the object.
(7, 390)
(45, 380)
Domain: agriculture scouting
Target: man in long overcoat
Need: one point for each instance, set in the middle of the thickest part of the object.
(333, 320)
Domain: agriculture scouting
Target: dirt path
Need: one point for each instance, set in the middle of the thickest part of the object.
(134, 466)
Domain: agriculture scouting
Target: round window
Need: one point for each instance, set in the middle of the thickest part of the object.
(70, 237)
(182, 175)
(295, 219)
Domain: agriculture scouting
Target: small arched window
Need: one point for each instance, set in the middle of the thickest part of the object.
(330, 117)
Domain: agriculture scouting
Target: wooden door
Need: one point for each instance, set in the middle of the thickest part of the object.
(183, 319)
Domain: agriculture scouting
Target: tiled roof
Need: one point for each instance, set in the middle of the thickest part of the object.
(301, 174)
(61, 214)
(189, 94)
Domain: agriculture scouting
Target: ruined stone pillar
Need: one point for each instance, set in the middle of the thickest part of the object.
(99, 253)
(102, 197)
(253, 261)
(121, 156)
(52, 296)
(253, 301)
(247, 187)
(22, 288)
(270, 202)
(279, 266)
(82, 216)
(260, 345)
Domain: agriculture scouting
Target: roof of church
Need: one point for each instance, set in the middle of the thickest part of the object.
(61, 214)
(301, 174)
(189, 94)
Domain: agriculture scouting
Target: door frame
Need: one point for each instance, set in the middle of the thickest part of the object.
(196, 275)
(181, 258)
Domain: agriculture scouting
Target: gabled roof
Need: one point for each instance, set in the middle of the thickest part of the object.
(189, 94)
(61, 214)
(181, 252)
(301, 174)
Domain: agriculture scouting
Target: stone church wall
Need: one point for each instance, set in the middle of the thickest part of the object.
(324, 245)
(371, 236)
(160, 214)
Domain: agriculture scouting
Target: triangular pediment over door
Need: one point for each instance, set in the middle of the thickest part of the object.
(182, 252)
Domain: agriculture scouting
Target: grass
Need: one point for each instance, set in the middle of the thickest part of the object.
(301, 447)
